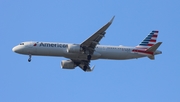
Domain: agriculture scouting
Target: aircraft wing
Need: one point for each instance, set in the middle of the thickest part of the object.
(90, 44)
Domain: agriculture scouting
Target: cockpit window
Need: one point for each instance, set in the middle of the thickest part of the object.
(21, 44)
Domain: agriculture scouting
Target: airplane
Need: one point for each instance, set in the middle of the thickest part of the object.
(81, 54)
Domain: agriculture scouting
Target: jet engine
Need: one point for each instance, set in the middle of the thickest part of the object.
(73, 48)
(67, 64)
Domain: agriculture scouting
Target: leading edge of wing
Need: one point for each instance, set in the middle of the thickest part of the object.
(95, 35)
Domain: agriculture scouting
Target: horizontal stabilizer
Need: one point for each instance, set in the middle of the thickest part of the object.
(154, 47)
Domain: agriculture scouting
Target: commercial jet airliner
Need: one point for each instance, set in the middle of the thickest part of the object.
(81, 54)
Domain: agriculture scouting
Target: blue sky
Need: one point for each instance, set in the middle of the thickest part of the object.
(140, 80)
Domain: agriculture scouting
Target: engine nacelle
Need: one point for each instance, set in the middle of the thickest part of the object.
(67, 64)
(73, 48)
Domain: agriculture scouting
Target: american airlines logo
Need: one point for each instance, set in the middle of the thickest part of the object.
(53, 45)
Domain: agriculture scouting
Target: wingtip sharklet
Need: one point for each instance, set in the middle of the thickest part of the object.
(91, 69)
(112, 19)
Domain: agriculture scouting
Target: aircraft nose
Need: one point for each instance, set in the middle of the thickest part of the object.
(17, 49)
(14, 49)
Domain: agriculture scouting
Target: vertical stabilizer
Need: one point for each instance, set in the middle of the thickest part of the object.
(150, 40)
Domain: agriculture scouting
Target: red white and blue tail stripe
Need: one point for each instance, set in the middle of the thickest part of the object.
(149, 41)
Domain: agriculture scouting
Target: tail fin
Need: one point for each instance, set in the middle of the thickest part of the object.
(150, 40)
